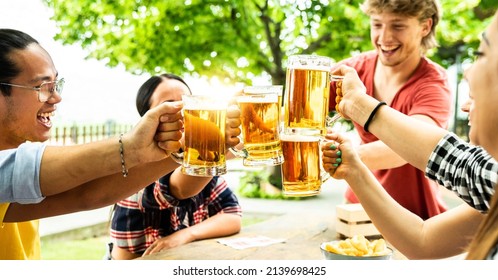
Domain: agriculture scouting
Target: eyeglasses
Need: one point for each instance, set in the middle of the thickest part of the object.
(45, 90)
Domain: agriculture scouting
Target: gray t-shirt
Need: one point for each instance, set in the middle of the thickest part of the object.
(20, 174)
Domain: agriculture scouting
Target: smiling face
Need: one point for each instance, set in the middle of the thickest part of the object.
(22, 117)
(397, 38)
(482, 76)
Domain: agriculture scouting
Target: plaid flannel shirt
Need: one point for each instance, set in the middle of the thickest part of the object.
(154, 213)
(467, 170)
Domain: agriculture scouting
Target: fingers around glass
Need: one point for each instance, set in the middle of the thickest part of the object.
(332, 156)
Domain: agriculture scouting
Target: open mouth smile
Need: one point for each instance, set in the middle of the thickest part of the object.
(389, 50)
(44, 118)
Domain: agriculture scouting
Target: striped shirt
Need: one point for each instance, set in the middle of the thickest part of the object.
(153, 213)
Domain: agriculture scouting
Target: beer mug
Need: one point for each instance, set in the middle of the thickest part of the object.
(302, 171)
(306, 97)
(204, 152)
(260, 117)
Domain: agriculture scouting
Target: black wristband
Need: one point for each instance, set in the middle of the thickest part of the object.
(372, 115)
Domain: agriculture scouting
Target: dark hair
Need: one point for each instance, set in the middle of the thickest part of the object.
(148, 88)
(11, 40)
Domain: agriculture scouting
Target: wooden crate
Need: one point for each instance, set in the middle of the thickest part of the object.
(353, 220)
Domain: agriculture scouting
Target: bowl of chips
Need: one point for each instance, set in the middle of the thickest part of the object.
(356, 248)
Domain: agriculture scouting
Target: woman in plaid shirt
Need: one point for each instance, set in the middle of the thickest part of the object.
(464, 168)
(177, 208)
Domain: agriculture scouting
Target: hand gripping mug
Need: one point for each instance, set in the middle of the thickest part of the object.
(260, 117)
(204, 152)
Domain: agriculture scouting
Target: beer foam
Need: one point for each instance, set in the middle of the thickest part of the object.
(299, 138)
(258, 99)
(310, 62)
(263, 90)
(205, 106)
(204, 102)
(311, 67)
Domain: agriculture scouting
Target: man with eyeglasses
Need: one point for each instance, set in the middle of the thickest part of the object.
(38, 181)
(55, 180)
(45, 90)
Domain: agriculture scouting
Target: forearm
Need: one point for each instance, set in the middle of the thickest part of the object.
(93, 194)
(152, 139)
(63, 168)
(399, 226)
(411, 138)
(377, 155)
(442, 236)
(222, 224)
(447, 234)
(183, 186)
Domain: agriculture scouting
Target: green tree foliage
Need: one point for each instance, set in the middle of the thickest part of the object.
(463, 22)
(237, 40)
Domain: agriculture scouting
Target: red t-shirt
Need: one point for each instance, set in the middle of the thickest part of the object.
(427, 93)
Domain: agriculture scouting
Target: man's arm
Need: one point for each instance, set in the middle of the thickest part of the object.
(93, 194)
(156, 135)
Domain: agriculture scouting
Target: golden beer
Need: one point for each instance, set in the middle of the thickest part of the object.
(306, 99)
(260, 117)
(260, 123)
(301, 170)
(204, 149)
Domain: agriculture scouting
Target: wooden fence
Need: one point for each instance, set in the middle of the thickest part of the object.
(80, 134)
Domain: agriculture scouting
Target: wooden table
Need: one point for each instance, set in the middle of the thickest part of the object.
(303, 233)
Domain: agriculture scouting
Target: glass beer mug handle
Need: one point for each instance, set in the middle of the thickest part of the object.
(242, 153)
(331, 120)
(324, 175)
(177, 156)
(336, 78)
